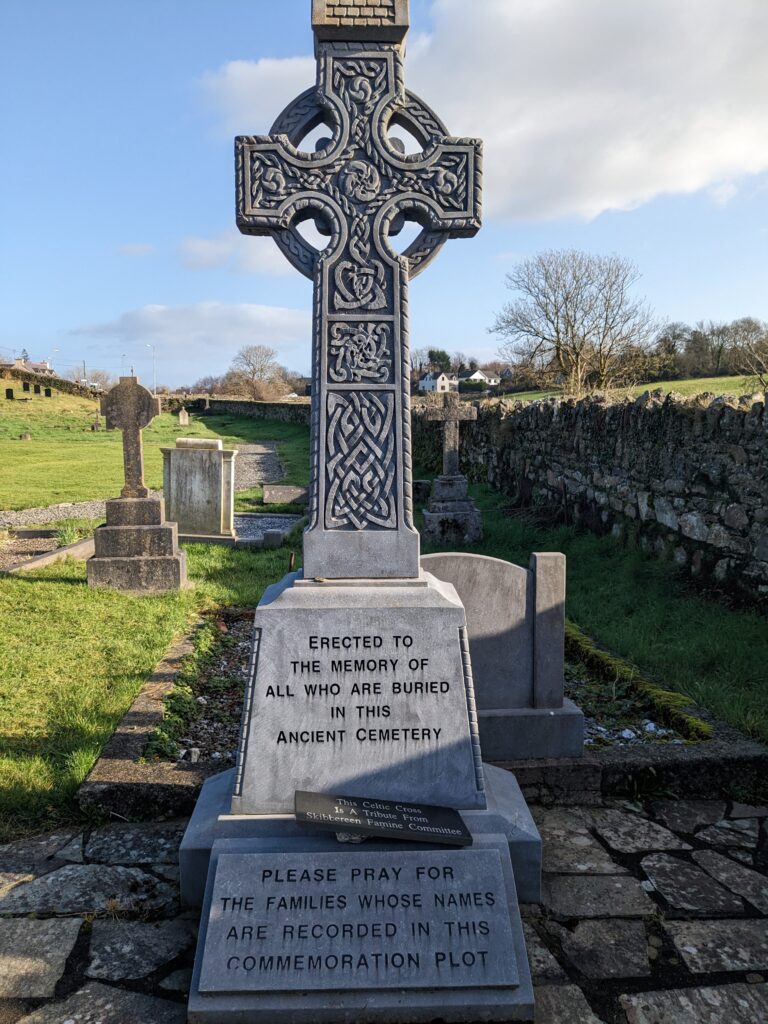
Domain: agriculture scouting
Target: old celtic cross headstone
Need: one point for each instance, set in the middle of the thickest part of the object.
(137, 550)
(359, 186)
(451, 517)
(450, 413)
(360, 679)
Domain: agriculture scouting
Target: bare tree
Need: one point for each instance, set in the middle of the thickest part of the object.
(574, 319)
(749, 341)
(258, 372)
(101, 379)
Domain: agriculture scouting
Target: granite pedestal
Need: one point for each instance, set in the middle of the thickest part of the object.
(137, 551)
(451, 517)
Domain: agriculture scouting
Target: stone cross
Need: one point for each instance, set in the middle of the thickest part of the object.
(359, 187)
(130, 407)
(450, 414)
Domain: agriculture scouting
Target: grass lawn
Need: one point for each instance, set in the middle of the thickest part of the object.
(64, 461)
(74, 658)
(693, 386)
(640, 608)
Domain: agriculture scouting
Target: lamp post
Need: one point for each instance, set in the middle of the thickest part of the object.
(154, 369)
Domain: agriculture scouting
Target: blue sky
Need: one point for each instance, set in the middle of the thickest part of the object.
(638, 127)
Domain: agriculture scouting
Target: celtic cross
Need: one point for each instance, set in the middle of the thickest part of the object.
(130, 407)
(358, 187)
(450, 414)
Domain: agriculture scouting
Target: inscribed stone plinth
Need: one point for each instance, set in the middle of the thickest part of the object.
(360, 690)
(451, 517)
(137, 551)
(372, 936)
(516, 627)
(199, 487)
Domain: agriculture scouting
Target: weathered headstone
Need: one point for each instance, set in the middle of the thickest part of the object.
(284, 494)
(47, 393)
(360, 680)
(9, 394)
(516, 626)
(183, 418)
(25, 386)
(199, 487)
(26, 436)
(137, 550)
(37, 389)
(451, 517)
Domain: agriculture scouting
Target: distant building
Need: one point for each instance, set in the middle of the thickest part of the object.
(440, 382)
(490, 379)
(42, 369)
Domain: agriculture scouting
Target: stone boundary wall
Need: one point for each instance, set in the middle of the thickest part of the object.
(282, 412)
(68, 386)
(687, 479)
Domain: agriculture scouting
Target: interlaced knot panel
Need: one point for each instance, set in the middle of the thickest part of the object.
(361, 462)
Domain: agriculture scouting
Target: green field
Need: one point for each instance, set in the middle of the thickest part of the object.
(694, 386)
(65, 461)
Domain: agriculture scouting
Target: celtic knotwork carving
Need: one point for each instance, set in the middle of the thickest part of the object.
(360, 180)
(360, 467)
(359, 279)
(360, 353)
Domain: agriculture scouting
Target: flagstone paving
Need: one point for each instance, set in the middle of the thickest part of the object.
(651, 915)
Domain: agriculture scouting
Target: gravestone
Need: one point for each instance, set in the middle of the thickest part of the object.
(9, 394)
(25, 386)
(137, 550)
(47, 393)
(360, 680)
(183, 418)
(199, 487)
(26, 436)
(284, 494)
(37, 389)
(516, 627)
(451, 517)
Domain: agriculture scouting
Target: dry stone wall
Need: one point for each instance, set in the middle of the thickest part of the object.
(282, 412)
(687, 479)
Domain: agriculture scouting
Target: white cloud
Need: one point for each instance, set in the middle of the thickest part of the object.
(246, 254)
(723, 193)
(584, 107)
(203, 337)
(135, 249)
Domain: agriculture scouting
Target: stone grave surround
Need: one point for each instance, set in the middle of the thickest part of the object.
(137, 551)
(451, 516)
(360, 680)
(199, 487)
(516, 627)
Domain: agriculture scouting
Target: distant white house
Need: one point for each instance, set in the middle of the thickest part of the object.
(439, 382)
(42, 369)
(490, 379)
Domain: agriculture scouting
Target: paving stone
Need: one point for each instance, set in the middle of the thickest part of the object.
(28, 856)
(748, 811)
(629, 833)
(101, 1004)
(687, 888)
(596, 896)
(558, 1004)
(135, 844)
(688, 815)
(10, 879)
(179, 981)
(743, 881)
(130, 949)
(568, 848)
(73, 851)
(607, 949)
(723, 1004)
(709, 946)
(544, 967)
(89, 888)
(732, 832)
(33, 955)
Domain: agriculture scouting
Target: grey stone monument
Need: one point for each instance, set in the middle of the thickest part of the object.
(199, 488)
(451, 517)
(137, 550)
(516, 627)
(183, 418)
(360, 681)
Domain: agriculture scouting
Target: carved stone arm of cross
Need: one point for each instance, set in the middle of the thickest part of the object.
(450, 414)
(130, 408)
